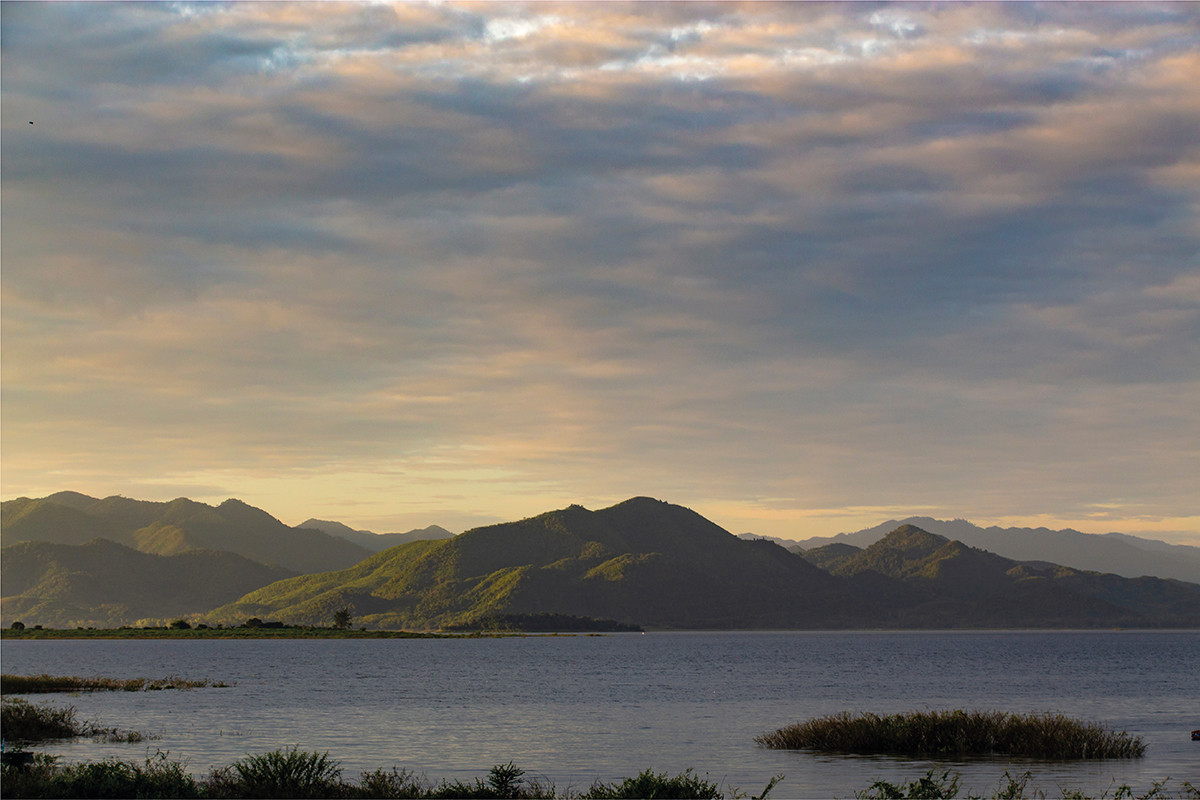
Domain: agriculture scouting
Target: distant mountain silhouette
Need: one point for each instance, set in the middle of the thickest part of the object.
(1118, 553)
(928, 580)
(640, 562)
(375, 542)
(104, 584)
(175, 527)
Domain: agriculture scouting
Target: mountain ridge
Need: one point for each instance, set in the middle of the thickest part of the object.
(1116, 553)
(649, 563)
(375, 542)
(173, 527)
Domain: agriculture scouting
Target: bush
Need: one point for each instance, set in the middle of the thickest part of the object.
(156, 777)
(286, 773)
(957, 733)
(656, 785)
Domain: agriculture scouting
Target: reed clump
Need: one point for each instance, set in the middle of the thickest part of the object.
(49, 684)
(957, 733)
(26, 722)
(29, 723)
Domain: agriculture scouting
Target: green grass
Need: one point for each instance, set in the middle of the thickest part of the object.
(46, 684)
(957, 733)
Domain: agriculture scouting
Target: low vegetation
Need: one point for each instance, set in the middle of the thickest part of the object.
(29, 723)
(47, 684)
(297, 773)
(265, 630)
(957, 733)
(544, 623)
(935, 785)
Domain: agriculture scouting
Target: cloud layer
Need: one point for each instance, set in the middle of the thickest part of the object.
(793, 265)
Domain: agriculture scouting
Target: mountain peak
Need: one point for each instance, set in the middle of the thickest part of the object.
(910, 535)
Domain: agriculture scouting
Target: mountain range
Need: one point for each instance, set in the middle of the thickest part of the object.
(375, 541)
(649, 563)
(175, 527)
(1118, 553)
(74, 560)
(642, 562)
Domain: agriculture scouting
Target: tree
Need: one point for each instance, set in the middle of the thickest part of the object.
(18, 626)
(342, 619)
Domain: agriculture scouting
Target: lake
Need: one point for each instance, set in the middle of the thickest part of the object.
(574, 709)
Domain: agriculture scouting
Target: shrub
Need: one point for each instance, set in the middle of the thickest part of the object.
(288, 773)
(957, 733)
(156, 777)
(930, 787)
(392, 783)
(656, 785)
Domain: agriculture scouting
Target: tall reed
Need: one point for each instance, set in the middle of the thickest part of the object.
(957, 733)
(46, 684)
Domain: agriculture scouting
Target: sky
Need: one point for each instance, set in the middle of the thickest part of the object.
(802, 268)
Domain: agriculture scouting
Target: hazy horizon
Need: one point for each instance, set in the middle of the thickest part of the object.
(802, 268)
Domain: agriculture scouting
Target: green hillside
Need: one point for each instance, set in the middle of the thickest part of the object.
(104, 584)
(641, 562)
(171, 528)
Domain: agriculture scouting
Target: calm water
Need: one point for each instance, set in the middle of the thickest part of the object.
(575, 709)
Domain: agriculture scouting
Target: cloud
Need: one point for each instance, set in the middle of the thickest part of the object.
(854, 256)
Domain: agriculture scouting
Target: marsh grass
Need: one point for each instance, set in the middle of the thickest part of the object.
(957, 733)
(23, 721)
(155, 777)
(935, 785)
(49, 684)
(29, 723)
(297, 773)
(651, 784)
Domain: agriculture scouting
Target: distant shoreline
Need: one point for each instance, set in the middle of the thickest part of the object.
(301, 632)
(238, 633)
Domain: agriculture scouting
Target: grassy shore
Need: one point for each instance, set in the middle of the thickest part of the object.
(299, 774)
(296, 773)
(52, 684)
(956, 733)
(285, 632)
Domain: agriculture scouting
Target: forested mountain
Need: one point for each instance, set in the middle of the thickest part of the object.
(652, 564)
(375, 542)
(643, 562)
(175, 527)
(104, 584)
(1118, 553)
